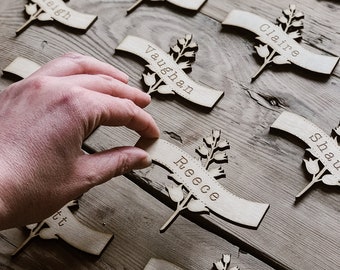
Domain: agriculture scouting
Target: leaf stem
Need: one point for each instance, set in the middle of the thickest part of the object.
(32, 234)
(29, 21)
(316, 178)
(180, 207)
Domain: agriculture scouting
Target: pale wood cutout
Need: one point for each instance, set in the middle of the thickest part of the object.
(324, 149)
(167, 74)
(197, 188)
(224, 263)
(21, 67)
(158, 264)
(187, 4)
(277, 42)
(65, 226)
(49, 10)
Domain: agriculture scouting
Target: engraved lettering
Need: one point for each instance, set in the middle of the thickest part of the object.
(189, 172)
(63, 221)
(181, 162)
(196, 181)
(214, 196)
(55, 216)
(149, 49)
(155, 56)
(336, 165)
(205, 188)
(329, 156)
(315, 137)
(322, 147)
(278, 38)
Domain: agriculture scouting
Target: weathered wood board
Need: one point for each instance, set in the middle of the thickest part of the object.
(262, 167)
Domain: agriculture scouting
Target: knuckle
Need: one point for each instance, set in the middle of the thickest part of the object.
(37, 83)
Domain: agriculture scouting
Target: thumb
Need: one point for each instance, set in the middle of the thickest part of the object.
(100, 167)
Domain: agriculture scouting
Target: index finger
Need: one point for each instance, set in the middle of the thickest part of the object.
(75, 63)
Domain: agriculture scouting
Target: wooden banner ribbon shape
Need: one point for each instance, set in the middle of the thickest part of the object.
(170, 73)
(321, 146)
(57, 10)
(64, 225)
(203, 186)
(281, 42)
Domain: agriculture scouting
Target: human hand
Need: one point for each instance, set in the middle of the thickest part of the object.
(44, 121)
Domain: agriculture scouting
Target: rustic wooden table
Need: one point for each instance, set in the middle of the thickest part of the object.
(263, 166)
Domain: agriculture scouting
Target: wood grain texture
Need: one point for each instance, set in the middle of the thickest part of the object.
(262, 167)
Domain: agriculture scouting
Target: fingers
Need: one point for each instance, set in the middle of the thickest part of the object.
(106, 85)
(74, 63)
(97, 168)
(113, 111)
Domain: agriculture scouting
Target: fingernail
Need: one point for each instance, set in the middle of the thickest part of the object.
(145, 162)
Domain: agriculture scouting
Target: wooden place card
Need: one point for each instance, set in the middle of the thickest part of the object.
(196, 186)
(166, 72)
(324, 165)
(50, 10)
(65, 226)
(21, 67)
(278, 42)
(187, 4)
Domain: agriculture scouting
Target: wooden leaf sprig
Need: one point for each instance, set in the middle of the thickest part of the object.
(223, 264)
(318, 171)
(212, 151)
(36, 229)
(36, 13)
(291, 23)
(183, 52)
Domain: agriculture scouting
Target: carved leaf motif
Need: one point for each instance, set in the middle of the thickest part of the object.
(31, 9)
(184, 65)
(221, 157)
(223, 145)
(196, 206)
(226, 258)
(45, 17)
(31, 226)
(312, 166)
(176, 193)
(216, 134)
(217, 172)
(280, 60)
(149, 79)
(298, 15)
(47, 233)
(262, 50)
(181, 41)
(297, 24)
(292, 7)
(208, 141)
(235, 268)
(286, 12)
(189, 54)
(176, 49)
(219, 266)
(165, 89)
(331, 180)
(283, 19)
(202, 151)
(295, 34)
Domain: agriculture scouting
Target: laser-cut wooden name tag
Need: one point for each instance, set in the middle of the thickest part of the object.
(65, 226)
(198, 189)
(325, 164)
(187, 4)
(49, 10)
(278, 43)
(167, 74)
(21, 67)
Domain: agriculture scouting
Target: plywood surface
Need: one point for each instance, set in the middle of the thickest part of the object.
(263, 166)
